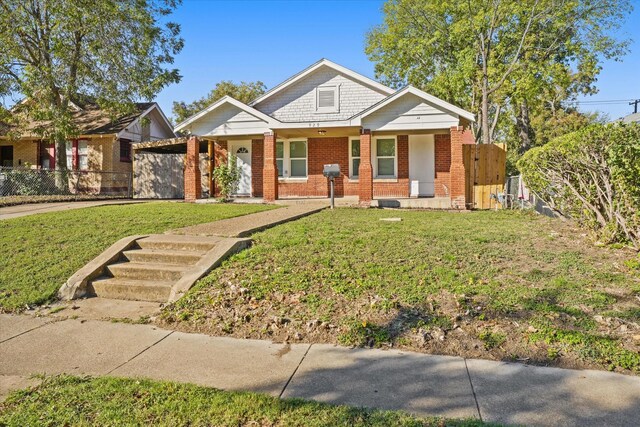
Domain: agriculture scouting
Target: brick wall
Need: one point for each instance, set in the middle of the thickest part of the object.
(457, 169)
(192, 175)
(25, 151)
(401, 187)
(270, 170)
(323, 151)
(257, 164)
(442, 164)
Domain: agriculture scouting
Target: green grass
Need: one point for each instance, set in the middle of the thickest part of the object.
(40, 252)
(474, 284)
(73, 401)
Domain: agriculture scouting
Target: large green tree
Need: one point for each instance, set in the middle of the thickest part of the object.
(243, 92)
(115, 52)
(497, 57)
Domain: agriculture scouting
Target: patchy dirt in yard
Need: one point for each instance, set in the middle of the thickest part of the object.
(512, 307)
(450, 329)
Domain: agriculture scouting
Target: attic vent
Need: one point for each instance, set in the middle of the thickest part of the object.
(327, 99)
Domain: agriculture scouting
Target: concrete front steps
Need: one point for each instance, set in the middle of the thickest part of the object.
(157, 268)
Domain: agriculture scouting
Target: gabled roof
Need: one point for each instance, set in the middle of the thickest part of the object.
(90, 119)
(222, 101)
(631, 118)
(421, 94)
(322, 63)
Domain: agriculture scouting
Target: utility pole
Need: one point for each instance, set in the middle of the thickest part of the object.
(635, 105)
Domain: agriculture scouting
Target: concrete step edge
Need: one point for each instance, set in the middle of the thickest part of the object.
(148, 266)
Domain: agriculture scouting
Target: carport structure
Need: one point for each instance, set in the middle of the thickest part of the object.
(174, 168)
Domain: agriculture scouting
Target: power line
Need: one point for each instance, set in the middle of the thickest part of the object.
(608, 101)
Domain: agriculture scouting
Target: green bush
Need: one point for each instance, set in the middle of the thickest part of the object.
(227, 176)
(593, 176)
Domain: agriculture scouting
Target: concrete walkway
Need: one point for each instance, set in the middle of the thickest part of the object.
(38, 208)
(418, 383)
(243, 226)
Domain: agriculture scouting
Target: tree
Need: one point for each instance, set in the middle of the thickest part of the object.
(55, 51)
(243, 92)
(593, 176)
(496, 57)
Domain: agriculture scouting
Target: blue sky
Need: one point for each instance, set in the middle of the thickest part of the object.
(272, 40)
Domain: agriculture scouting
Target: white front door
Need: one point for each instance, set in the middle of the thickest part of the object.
(422, 167)
(242, 151)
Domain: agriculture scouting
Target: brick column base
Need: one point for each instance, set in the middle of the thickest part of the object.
(365, 190)
(270, 169)
(192, 177)
(457, 170)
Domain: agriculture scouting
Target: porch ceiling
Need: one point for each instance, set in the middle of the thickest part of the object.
(313, 132)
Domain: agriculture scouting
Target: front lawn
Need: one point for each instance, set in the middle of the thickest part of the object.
(73, 401)
(493, 285)
(40, 252)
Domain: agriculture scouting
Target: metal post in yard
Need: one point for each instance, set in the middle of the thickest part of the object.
(129, 185)
(332, 200)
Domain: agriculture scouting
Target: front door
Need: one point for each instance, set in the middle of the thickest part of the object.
(6, 156)
(242, 151)
(422, 169)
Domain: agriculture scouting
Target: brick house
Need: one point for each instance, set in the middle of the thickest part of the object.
(400, 145)
(104, 143)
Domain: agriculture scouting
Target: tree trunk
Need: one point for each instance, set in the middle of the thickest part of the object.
(60, 164)
(486, 132)
(524, 128)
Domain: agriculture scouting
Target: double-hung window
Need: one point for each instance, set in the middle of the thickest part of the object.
(71, 164)
(291, 159)
(386, 157)
(83, 155)
(280, 158)
(298, 154)
(354, 158)
(77, 152)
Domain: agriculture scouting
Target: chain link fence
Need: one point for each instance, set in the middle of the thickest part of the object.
(46, 182)
(523, 198)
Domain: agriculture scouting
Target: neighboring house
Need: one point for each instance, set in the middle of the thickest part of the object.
(631, 118)
(103, 143)
(389, 143)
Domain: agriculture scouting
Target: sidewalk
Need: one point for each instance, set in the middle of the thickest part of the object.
(244, 226)
(418, 383)
(38, 208)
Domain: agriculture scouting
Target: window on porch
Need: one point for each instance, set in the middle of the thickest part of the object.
(291, 159)
(354, 158)
(386, 157)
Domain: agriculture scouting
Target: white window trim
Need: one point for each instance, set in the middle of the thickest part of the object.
(286, 160)
(353, 177)
(374, 158)
(86, 141)
(336, 99)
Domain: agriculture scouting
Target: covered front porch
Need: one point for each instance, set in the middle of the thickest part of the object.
(387, 169)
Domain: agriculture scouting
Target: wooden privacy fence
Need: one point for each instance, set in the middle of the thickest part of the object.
(485, 167)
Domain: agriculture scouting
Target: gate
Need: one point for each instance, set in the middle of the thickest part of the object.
(485, 170)
(161, 175)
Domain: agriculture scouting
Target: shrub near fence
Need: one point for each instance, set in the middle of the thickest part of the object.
(592, 175)
(42, 182)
